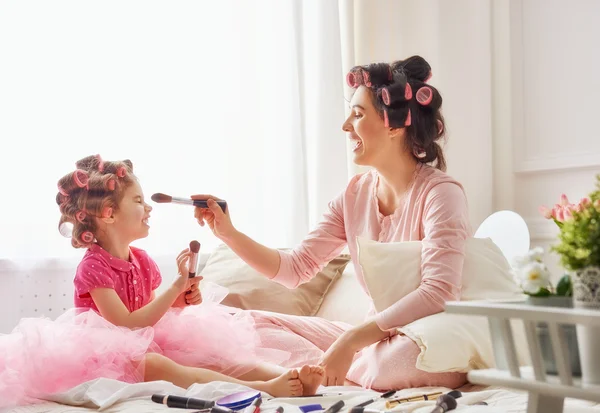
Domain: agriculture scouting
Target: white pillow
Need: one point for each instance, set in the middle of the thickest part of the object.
(448, 342)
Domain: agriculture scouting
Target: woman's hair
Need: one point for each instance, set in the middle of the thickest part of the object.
(93, 190)
(403, 98)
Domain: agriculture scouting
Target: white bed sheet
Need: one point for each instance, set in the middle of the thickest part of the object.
(111, 396)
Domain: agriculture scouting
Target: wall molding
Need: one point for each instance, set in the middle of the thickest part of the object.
(573, 161)
(541, 229)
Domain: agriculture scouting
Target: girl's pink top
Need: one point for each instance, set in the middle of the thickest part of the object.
(133, 280)
(435, 212)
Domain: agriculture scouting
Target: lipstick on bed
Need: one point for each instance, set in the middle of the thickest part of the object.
(182, 402)
(201, 203)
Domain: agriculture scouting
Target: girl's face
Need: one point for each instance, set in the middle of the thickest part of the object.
(131, 218)
(372, 141)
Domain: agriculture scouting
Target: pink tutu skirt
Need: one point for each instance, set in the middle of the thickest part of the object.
(42, 357)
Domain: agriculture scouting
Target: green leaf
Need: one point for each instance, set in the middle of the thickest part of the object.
(543, 292)
(564, 287)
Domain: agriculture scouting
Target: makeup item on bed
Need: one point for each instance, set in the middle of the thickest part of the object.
(444, 403)
(193, 263)
(395, 402)
(479, 404)
(336, 407)
(310, 408)
(254, 406)
(455, 393)
(182, 402)
(279, 409)
(202, 203)
(360, 408)
(239, 400)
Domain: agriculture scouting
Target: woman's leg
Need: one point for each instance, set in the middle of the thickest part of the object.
(306, 338)
(158, 367)
(390, 365)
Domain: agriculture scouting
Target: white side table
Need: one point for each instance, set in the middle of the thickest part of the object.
(546, 392)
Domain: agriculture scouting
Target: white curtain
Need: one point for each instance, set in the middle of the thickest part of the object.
(242, 100)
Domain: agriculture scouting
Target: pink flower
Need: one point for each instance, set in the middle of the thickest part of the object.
(564, 210)
(546, 212)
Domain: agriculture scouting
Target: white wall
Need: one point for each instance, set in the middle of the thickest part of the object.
(546, 58)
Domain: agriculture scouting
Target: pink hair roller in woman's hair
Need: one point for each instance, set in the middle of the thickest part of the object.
(424, 95)
(408, 121)
(62, 191)
(354, 79)
(386, 121)
(408, 92)
(385, 96)
(366, 78)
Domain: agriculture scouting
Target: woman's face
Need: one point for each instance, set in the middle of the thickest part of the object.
(372, 141)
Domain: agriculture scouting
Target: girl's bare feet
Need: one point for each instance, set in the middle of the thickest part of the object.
(286, 385)
(311, 378)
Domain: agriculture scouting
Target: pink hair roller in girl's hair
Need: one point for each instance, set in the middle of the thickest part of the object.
(62, 191)
(100, 163)
(81, 178)
(87, 237)
(193, 263)
(424, 95)
(80, 215)
(111, 184)
(121, 172)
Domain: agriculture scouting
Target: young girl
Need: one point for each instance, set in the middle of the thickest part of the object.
(131, 334)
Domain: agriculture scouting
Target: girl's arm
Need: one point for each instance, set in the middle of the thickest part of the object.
(112, 308)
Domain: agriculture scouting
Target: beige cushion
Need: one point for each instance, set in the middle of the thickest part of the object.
(448, 342)
(250, 290)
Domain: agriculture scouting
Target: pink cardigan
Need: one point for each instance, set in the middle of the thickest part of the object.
(435, 212)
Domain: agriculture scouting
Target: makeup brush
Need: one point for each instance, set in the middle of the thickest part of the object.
(194, 249)
(202, 203)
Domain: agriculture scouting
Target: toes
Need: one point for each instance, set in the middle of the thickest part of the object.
(292, 374)
(305, 370)
(294, 382)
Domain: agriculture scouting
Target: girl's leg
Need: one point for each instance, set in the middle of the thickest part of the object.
(390, 365)
(311, 377)
(158, 367)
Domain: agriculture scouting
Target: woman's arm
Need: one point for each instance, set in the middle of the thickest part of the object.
(287, 268)
(446, 227)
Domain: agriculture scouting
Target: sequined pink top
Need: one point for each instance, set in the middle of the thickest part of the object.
(435, 212)
(133, 280)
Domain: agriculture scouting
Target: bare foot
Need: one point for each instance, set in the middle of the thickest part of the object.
(311, 378)
(286, 385)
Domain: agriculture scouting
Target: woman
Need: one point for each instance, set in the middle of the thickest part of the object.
(395, 125)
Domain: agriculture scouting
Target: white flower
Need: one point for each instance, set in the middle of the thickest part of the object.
(536, 254)
(533, 277)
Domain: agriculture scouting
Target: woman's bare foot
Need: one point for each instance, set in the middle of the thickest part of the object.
(311, 378)
(286, 385)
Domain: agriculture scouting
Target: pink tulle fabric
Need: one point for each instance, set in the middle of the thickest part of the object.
(42, 357)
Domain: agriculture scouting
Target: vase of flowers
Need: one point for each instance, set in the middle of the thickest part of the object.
(579, 251)
(533, 277)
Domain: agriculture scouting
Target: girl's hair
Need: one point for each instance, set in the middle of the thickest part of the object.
(93, 190)
(403, 98)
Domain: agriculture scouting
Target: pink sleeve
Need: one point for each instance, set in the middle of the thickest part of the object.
(92, 273)
(322, 245)
(155, 274)
(446, 229)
